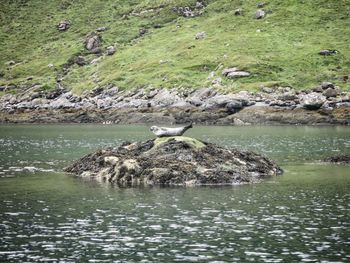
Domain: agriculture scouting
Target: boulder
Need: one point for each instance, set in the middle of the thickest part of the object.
(63, 25)
(143, 31)
(101, 29)
(61, 103)
(326, 85)
(110, 50)
(235, 73)
(260, 14)
(328, 52)
(312, 101)
(174, 161)
(234, 106)
(330, 92)
(93, 42)
(200, 35)
(165, 98)
(238, 12)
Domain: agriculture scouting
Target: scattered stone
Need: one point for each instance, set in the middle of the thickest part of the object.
(339, 159)
(174, 161)
(216, 82)
(326, 85)
(238, 12)
(312, 101)
(10, 63)
(267, 90)
(327, 52)
(95, 61)
(260, 14)
(93, 42)
(200, 35)
(51, 65)
(80, 61)
(239, 122)
(101, 29)
(188, 11)
(111, 50)
(143, 31)
(199, 5)
(235, 73)
(211, 75)
(261, 5)
(330, 92)
(63, 25)
(290, 95)
(29, 78)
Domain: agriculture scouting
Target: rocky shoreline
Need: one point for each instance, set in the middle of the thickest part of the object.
(174, 161)
(324, 105)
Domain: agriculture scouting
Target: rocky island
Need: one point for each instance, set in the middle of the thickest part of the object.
(174, 161)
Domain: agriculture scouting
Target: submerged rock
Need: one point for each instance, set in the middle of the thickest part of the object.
(174, 161)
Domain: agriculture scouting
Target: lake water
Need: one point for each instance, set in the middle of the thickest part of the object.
(49, 216)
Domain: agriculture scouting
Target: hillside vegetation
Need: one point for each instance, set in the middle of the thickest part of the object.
(156, 44)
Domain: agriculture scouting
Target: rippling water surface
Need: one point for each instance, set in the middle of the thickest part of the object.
(46, 215)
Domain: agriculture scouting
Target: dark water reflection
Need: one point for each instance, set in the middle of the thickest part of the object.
(302, 216)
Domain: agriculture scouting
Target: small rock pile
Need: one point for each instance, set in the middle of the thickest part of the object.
(174, 161)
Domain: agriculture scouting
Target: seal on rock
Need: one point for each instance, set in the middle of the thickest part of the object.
(167, 132)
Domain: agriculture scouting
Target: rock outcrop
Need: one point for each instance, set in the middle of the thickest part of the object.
(174, 161)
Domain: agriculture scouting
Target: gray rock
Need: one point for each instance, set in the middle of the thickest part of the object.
(260, 14)
(238, 74)
(234, 106)
(92, 41)
(343, 105)
(63, 25)
(111, 50)
(101, 29)
(288, 96)
(218, 101)
(80, 61)
(327, 52)
(200, 35)
(330, 92)
(216, 82)
(164, 98)
(226, 71)
(326, 85)
(235, 73)
(199, 5)
(261, 5)
(312, 101)
(61, 103)
(238, 12)
(143, 31)
(182, 104)
(202, 94)
(267, 90)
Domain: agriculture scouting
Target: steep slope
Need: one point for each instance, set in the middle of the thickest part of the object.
(157, 46)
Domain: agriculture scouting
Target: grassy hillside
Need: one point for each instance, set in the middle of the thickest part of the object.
(281, 49)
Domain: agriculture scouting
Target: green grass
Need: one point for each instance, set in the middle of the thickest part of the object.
(284, 52)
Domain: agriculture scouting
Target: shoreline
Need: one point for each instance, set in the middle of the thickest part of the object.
(280, 106)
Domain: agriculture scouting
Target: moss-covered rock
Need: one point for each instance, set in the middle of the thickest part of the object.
(174, 161)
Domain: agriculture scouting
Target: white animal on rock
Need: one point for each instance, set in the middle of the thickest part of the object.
(168, 132)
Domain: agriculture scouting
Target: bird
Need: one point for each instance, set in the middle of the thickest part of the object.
(168, 132)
